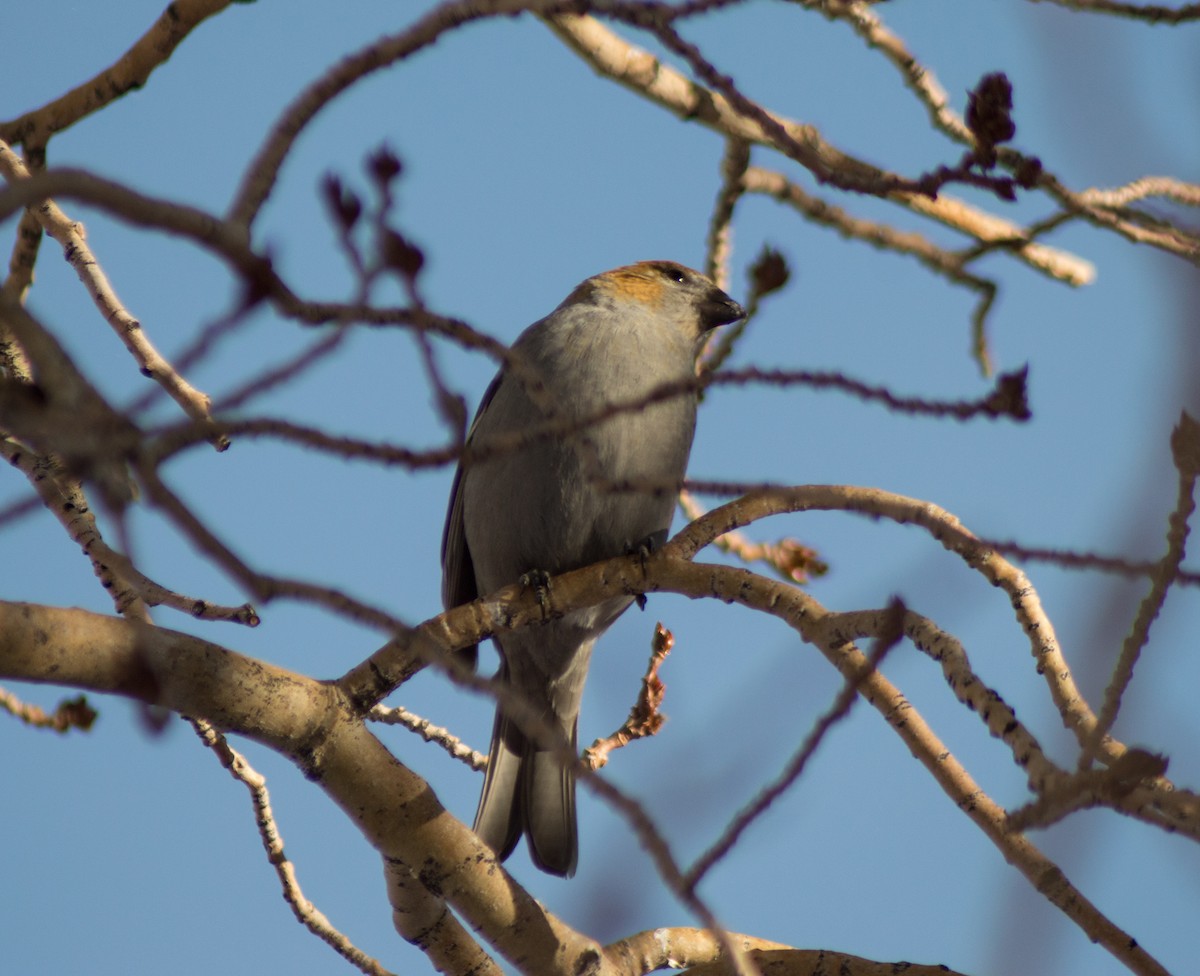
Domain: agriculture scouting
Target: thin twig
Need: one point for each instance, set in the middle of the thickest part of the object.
(656, 845)
(1151, 12)
(128, 329)
(430, 733)
(918, 78)
(948, 264)
(639, 70)
(968, 688)
(645, 717)
(719, 244)
(889, 632)
(63, 496)
(1005, 400)
(1089, 788)
(128, 73)
(1072, 706)
(1185, 444)
(268, 831)
(72, 713)
(264, 587)
(259, 177)
(286, 371)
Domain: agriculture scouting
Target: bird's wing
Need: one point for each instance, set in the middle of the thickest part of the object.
(458, 571)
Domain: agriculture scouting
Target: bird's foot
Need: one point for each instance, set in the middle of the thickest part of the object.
(644, 550)
(538, 580)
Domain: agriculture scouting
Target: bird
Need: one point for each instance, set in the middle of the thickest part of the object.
(548, 506)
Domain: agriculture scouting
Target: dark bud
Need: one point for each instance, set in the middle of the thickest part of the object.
(1185, 445)
(400, 255)
(1028, 172)
(342, 203)
(384, 166)
(989, 111)
(76, 713)
(1011, 396)
(797, 562)
(769, 272)
(1134, 767)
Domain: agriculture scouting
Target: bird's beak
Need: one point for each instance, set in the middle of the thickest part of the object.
(719, 309)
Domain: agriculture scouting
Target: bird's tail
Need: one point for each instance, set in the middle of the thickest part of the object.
(530, 790)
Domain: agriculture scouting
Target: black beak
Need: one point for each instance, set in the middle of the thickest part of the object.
(719, 309)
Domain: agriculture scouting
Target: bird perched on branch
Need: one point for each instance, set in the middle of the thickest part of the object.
(596, 491)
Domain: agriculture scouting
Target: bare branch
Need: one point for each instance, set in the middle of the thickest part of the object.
(513, 607)
(890, 630)
(645, 718)
(679, 948)
(1007, 399)
(1077, 716)
(1148, 186)
(130, 72)
(263, 586)
(79, 255)
(697, 953)
(968, 688)
(64, 497)
(1151, 12)
(652, 839)
(1137, 227)
(26, 245)
(430, 733)
(448, 895)
(308, 722)
(268, 831)
(649, 77)
(719, 245)
(768, 274)
(918, 78)
(74, 713)
(791, 559)
(1089, 788)
(941, 261)
(1185, 444)
(260, 175)
(1070, 559)
(809, 962)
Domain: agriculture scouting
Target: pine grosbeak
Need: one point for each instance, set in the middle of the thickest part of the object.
(542, 509)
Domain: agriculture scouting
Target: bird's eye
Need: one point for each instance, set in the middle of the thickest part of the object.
(675, 274)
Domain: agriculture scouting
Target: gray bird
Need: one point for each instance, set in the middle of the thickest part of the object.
(541, 509)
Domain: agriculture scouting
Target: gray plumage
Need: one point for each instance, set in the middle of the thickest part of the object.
(540, 509)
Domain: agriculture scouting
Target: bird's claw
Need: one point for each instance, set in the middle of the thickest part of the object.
(538, 580)
(644, 550)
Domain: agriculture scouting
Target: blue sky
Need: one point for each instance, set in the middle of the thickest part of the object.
(524, 173)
